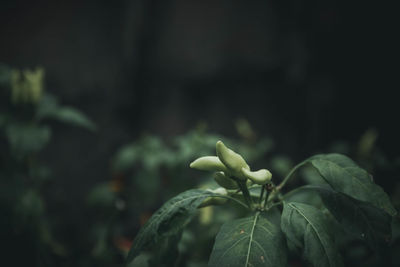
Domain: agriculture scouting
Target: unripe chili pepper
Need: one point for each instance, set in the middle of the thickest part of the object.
(260, 177)
(208, 163)
(232, 160)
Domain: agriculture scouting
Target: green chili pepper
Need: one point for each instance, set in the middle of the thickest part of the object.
(208, 163)
(260, 177)
(232, 160)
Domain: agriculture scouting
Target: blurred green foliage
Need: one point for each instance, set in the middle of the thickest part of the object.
(144, 174)
(25, 111)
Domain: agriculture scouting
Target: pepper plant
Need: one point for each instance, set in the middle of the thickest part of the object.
(277, 222)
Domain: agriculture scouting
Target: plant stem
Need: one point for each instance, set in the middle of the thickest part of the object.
(245, 191)
(282, 184)
(266, 198)
(261, 194)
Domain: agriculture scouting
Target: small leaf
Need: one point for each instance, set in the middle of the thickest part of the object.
(74, 117)
(49, 109)
(252, 241)
(168, 220)
(344, 176)
(358, 218)
(308, 228)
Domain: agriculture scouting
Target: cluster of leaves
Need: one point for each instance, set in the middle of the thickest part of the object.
(349, 204)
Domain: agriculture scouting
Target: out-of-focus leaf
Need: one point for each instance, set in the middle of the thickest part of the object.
(193, 145)
(252, 241)
(340, 147)
(344, 176)
(168, 220)
(367, 143)
(147, 185)
(126, 157)
(153, 152)
(281, 165)
(244, 129)
(26, 139)
(149, 151)
(69, 115)
(102, 196)
(307, 227)
(252, 152)
(49, 108)
(40, 173)
(30, 205)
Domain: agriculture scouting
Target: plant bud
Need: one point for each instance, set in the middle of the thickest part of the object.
(34, 80)
(260, 177)
(208, 163)
(232, 160)
(225, 181)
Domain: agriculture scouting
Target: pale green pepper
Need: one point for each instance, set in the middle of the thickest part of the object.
(232, 160)
(260, 177)
(208, 163)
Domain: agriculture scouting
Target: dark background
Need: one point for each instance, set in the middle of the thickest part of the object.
(306, 73)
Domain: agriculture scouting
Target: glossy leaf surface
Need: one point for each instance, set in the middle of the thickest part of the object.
(344, 176)
(308, 228)
(168, 220)
(252, 241)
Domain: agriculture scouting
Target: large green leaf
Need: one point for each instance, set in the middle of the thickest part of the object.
(358, 218)
(252, 241)
(344, 176)
(308, 228)
(168, 220)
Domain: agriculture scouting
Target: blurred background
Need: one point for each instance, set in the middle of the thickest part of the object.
(154, 84)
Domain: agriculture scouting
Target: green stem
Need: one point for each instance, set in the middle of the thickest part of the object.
(261, 194)
(245, 191)
(266, 198)
(282, 184)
